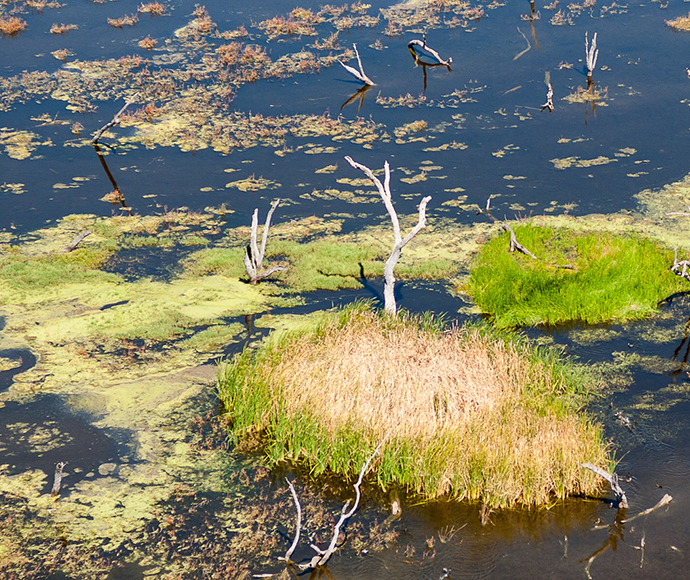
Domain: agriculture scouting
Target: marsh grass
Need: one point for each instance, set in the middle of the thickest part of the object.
(465, 413)
(617, 277)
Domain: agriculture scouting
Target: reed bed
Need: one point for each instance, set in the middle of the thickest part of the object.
(464, 413)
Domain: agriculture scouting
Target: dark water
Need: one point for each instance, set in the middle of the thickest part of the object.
(640, 64)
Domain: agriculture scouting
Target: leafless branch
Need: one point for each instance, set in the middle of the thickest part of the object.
(360, 75)
(667, 499)
(515, 245)
(612, 478)
(115, 120)
(400, 242)
(254, 256)
(420, 50)
(77, 241)
(298, 525)
(322, 556)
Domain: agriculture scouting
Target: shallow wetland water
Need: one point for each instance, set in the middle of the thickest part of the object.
(151, 487)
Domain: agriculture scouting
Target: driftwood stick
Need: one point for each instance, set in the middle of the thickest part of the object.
(612, 478)
(667, 499)
(515, 245)
(76, 241)
(419, 48)
(323, 556)
(400, 242)
(57, 481)
(115, 120)
(298, 525)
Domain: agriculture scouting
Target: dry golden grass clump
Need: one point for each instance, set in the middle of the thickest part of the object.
(129, 20)
(148, 43)
(680, 23)
(463, 412)
(153, 9)
(62, 28)
(11, 25)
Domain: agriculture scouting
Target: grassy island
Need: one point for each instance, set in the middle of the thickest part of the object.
(464, 412)
(592, 277)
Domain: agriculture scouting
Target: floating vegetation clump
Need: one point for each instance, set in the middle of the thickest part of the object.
(461, 413)
(592, 277)
(680, 23)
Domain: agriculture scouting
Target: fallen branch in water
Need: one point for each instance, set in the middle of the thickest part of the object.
(57, 481)
(667, 499)
(323, 556)
(77, 241)
(253, 255)
(400, 242)
(298, 525)
(115, 120)
(360, 75)
(515, 245)
(419, 49)
(612, 478)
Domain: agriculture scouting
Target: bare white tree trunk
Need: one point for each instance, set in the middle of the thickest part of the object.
(400, 242)
(253, 255)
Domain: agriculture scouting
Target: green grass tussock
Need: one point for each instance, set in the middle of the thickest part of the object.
(465, 412)
(610, 277)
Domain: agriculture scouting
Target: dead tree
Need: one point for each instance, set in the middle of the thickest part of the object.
(254, 255)
(400, 242)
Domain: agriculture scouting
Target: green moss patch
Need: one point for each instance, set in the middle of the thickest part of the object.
(466, 413)
(591, 277)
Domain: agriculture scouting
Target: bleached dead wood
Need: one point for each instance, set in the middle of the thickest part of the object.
(254, 255)
(667, 499)
(680, 267)
(360, 75)
(322, 556)
(612, 478)
(591, 54)
(515, 245)
(298, 524)
(115, 120)
(400, 242)
(549, 94)
(57, 480)
(420, 50)
(76, 241)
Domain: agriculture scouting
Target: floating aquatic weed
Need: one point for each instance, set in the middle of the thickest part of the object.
(62, 28)
(11, 25)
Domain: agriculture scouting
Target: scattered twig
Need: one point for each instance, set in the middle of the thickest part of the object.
(400, 242)
(76, 241)
(115, 120)
(254, 256)
(591, 54)
(612, 478)
(57, 481)
(360, 75)
(667, 499)
(641, 549)
(515, 245)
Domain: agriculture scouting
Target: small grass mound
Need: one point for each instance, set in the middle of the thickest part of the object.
(464, 413)
(591, 277)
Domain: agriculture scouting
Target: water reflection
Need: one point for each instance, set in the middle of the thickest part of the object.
(360, 95)
(115, 196)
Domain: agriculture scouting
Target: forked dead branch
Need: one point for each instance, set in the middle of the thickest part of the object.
(254, 255)
(360, 75)
(400, 242)
(322, 556)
